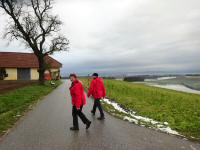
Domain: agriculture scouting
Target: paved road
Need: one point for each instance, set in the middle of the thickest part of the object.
(46, 127)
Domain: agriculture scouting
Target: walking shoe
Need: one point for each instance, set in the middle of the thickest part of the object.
(74, 129)
(101, 118)
(92, 112)
(88, 125)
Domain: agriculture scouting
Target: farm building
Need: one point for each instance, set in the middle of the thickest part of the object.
(24, 66)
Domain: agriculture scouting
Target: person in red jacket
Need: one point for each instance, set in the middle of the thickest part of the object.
(98, 92)
(78, 101)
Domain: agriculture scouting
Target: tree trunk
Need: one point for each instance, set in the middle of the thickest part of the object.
(41, 69)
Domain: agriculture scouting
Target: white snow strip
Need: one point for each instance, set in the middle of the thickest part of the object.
(115, 105)
(133, 118)
(144, 119)
(168, 130)
(177, 87)
(165, 78)
(130, 119)
(160, 78)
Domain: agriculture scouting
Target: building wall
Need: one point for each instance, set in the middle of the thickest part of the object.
(12, 74)
(34, 74)
(54, 73)
(54, 70)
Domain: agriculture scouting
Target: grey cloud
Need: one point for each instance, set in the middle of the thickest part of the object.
(113, 36)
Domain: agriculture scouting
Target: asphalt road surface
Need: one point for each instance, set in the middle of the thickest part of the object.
(46, 127)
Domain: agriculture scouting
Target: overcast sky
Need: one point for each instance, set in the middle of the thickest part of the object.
(127, 36)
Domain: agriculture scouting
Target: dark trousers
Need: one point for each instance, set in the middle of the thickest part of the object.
(75, 114)
(97, 103)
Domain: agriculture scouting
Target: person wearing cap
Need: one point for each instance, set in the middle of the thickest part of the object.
(78, 101)
(98, 92)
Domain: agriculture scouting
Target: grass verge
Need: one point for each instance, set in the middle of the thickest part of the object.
(13, 104)
(180, 110)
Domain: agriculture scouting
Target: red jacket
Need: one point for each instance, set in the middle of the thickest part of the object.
(77, 94)
(97, 89)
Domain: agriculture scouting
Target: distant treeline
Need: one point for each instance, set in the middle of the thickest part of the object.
(192, 74)
(141, 78)
(64, 77)
(138, 78)
(134, 78)
(88, 76)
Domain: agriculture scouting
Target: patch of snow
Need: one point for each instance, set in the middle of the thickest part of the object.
(119, 79)
(129, 119)
(149, 80)
(160, 125)
(160, 78)
(133, 118)
(115, 105)
(165, 78)
(144, 119)
(177, 87)
(168, 130)
(166, 123)
(193, 77)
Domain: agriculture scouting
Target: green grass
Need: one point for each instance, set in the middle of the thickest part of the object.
(180, 110)
(13, 104)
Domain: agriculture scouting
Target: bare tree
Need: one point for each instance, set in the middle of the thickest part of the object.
(32, 22)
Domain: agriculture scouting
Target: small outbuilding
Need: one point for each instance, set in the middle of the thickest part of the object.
(24, 66)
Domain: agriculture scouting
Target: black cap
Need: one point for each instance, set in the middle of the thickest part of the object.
(95, 74)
